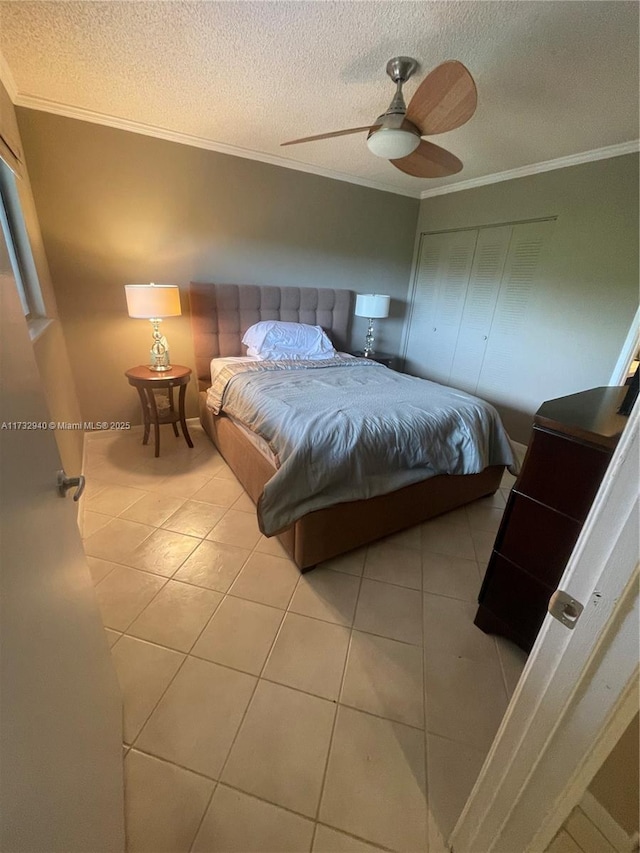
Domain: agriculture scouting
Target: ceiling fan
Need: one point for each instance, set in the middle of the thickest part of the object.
(445, 99)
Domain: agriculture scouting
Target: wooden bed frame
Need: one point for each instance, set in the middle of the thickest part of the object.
(220, 314)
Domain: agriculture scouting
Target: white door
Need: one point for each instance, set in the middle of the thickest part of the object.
(579, 688)
(480, 303)
(60, 706)
(437, 303)
(507, 358)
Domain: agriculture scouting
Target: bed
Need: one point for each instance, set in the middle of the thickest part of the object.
(220, 315)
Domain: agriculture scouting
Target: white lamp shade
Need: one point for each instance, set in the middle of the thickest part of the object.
(148, 301)
(372, 305)
(393, 143)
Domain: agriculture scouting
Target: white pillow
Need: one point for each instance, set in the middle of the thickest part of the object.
(274, 339)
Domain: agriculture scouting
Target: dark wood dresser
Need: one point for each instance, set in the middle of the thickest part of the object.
(572, 442)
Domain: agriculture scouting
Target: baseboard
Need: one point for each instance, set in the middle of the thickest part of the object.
(606, 824)
(520, 450)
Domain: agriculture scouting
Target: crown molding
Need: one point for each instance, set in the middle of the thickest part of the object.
(631, 147)
(44, 105)
(6, 78)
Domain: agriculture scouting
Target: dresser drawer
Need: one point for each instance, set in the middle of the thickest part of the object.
(515, 598)
(562, 473)
(536, 538)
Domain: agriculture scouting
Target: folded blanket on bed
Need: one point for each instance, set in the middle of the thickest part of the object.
(349, 429)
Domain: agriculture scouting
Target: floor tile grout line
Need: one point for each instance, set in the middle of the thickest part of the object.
(153, 574)
(118, 565)
(262, 553)
(235, 595)
(340, 689)
(502, 670)
(350, 626)
(355, 837)
(269, 680)
(104, 577)
(424, 711)
(217, 607)
(153, 524)
(166, 581)
(253, 693)
(147, 605)
(168, 578)
(464, 743)
(149, 754)
(201, 775)
(172, 648)
(157, 574)
(265, 553)
(90, 500)
(217, 783)
(160, 698)
(204, 814)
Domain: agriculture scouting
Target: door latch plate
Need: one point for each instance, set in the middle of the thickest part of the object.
(565, 608)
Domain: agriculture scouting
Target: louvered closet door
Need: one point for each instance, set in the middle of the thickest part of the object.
(441, 287)
(477, 316)
(504, 365)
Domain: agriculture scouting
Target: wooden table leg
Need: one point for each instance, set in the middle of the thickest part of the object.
(156, 422)
(172, 410)
(183, 422)
(145, 414)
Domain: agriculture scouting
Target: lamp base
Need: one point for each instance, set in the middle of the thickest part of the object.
(368, 341)
(159, 353)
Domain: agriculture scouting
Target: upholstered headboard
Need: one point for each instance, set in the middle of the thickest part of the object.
(222, 313)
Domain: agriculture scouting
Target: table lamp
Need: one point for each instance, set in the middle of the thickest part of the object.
(373, 306)
(154, 302)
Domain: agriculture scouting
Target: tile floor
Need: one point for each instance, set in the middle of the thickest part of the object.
(346, 710)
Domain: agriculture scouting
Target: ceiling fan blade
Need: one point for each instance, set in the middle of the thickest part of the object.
(330, 135)
(429, 161)
(446, 99)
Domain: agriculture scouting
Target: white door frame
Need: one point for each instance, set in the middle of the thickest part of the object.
(579, 689)
(628, 352)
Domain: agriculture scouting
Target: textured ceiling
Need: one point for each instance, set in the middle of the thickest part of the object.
(554, 78)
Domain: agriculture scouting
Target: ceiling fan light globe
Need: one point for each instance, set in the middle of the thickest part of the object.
(392, 143)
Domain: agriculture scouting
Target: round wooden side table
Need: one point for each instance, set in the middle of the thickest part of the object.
(146, 381)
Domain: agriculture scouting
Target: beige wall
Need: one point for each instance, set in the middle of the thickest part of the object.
(617, 785)
(588, 294)
(117, 207)
(50, 346)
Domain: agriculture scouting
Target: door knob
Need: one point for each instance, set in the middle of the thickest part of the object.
(65, 483)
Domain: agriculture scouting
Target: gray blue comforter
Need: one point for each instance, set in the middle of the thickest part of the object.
(347, 429)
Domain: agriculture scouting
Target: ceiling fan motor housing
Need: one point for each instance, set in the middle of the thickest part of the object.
(400, 68)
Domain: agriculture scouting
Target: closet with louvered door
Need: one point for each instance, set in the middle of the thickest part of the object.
(471, 298)
(436, 311)
(506, 359)
(492, 245)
